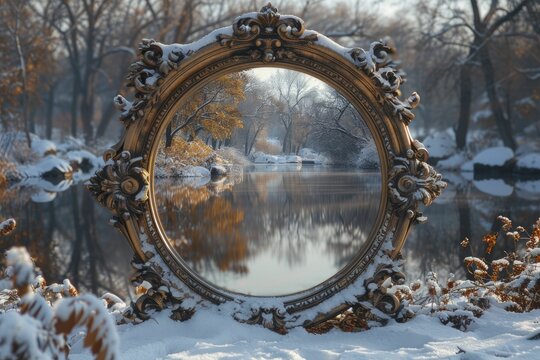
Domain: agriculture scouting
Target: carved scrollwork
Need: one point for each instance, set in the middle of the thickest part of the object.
(121, 185)
(145, 75)
(267, 32)
(377, 289)
(155, 294)
(411, 182)
(270, 318)
(162, 279)
(378, 64)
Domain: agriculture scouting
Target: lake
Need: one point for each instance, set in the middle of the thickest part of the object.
(294, 222)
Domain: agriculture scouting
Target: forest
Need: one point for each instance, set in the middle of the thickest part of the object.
(475, 63)
(266, 191)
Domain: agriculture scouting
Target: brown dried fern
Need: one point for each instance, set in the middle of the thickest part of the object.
(49, 327)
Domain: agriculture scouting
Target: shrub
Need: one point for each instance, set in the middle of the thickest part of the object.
(36, 318)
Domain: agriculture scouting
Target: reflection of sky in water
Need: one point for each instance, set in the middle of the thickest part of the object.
(274, 275)
(466, 208)
(293, 229)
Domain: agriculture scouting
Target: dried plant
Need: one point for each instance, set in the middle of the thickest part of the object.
(512, 281)
(7, 226)
(515, 278)
(36, 318)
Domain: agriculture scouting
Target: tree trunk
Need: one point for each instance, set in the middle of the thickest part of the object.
(89, 226)
(50, 112)
(503, 124)
(87, 112)
(465, 96)
(105, 120)
(76, 253)
(286, 141)
(74, 105)
(168, 135)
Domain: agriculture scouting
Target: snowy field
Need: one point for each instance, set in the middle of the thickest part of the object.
(209, 335)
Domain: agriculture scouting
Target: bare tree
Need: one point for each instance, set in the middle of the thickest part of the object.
(291, 88)
(474, 31)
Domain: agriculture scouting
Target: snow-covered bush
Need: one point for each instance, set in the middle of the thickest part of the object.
(36, 318)
(182, 154)
(369, 156)
(232, 155)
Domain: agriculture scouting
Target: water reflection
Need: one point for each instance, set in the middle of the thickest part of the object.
(468, 208)
(276, 230)
(68, 237)
(97, 258)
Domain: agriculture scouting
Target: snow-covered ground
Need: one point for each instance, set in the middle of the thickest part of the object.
(262, 158)
(210, 335)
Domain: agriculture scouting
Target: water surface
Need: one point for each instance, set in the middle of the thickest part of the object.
(273, 230)
(70, 236)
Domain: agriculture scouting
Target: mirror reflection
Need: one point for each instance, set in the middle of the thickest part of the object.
(267, 182)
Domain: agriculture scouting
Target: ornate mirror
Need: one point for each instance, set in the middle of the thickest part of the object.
(226, 180)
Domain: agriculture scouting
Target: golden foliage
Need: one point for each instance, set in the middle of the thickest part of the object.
(203, 226)
(262, 144)
(213, 109)
(37, 52)
(184, 153)
(491, 241)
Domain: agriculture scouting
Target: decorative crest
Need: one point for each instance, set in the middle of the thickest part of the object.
(121, 185)
(267, 32)
(412, 182)
(145, 76)
(378, 64)
(270, 318)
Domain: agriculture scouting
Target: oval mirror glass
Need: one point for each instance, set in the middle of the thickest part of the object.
(267, 182)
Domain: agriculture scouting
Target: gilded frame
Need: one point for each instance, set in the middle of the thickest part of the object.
(369, 79)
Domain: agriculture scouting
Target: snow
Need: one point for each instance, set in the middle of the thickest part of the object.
(529, 187)
(21, 329)
(482, 114)
(43, 147)
(195, 171)
(467, 167)
(41, 184)
(311, 155)
(98, 320)
(80, 155)
(495, 156)
(20, 266)
(495, 187)
(262, 158)
(454, 162)
(189, 171)
(44, 165)
(440, 144)
(7, 226)
(42, 196)
(368, 157)
(529, 161)
(211, 335)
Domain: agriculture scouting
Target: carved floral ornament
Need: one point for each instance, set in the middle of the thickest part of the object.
(370, 79)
